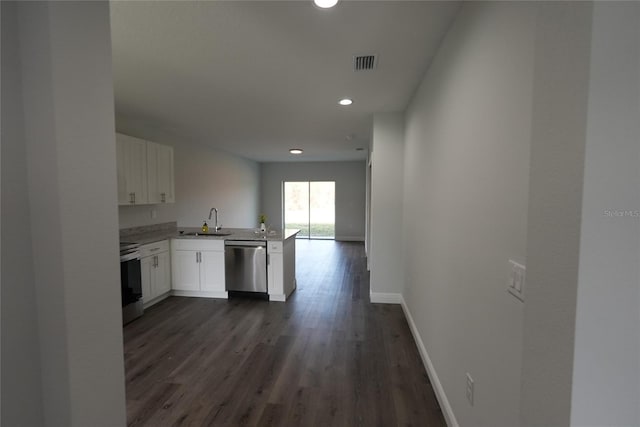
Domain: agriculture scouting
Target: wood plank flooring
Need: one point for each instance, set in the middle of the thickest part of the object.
(327, 357)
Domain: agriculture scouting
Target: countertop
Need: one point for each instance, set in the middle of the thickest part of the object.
(235, 234)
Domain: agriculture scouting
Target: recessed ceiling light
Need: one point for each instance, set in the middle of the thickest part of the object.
(296, 151)
(345, 101)
(325, 4)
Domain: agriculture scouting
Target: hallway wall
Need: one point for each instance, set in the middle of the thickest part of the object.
(65, 149)
(607, 337)
(466, 160)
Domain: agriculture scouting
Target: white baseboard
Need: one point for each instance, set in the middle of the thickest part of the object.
(385, 298)
(157, 300)
(350, 238)
(447, 411)
(201, 294)
(277, 297)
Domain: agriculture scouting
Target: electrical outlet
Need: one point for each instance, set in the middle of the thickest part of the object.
(515, 284)
(469, 389)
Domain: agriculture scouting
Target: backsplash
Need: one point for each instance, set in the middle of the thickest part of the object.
(165, 226)
(140, 215)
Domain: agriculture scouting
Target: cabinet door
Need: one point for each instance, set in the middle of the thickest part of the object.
(160, 173)
(147, 276)
(137, 170)
(165, 174)
(275, 274)
(123, 193)
(153, 190)
(162, 274)
(132, 170)
(212, 271)
(186, 270)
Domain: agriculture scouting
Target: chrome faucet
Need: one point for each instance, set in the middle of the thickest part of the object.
(216, 227)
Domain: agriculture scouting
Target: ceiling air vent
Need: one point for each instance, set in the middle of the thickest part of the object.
(364, 62)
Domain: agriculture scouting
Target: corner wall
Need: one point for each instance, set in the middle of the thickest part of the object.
(606, 364)
(67, 95)
(204, 178)
(466, 175)
(207, 178)
(559, 118)
(21, 374)
(387, 169)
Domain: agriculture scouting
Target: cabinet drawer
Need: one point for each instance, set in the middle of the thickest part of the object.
(275, 247)
(200, 244)
(154, 248)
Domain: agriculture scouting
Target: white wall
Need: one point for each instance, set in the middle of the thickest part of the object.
(561, 90)
(350, 178)
(204, 178)
(606, 370)
(67, 95)
(387, 170)
(465, 207)
(21, 374)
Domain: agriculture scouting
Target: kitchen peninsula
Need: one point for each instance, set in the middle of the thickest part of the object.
(197, 260)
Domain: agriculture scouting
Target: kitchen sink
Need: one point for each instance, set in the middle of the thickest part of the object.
(200, 233)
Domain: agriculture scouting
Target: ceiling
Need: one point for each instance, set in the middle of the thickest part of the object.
(258, 78)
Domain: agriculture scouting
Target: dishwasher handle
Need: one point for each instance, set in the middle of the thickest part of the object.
(246, 243)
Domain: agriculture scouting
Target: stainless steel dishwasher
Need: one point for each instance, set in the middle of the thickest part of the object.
(245, 266)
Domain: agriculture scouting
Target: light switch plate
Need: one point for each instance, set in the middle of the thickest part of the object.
(469, 389)
(517, 279)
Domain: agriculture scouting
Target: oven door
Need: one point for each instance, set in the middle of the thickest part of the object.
(130, 278)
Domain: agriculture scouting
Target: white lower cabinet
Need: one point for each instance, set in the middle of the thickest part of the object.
(186, 270)
(198, 267)
(281, 272)
(156, 272)
(212, 271)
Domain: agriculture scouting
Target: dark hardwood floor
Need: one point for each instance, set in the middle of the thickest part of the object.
(327, 357)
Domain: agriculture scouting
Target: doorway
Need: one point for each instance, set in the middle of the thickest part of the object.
(311, 207)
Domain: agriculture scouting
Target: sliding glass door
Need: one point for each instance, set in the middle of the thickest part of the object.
(310, 206)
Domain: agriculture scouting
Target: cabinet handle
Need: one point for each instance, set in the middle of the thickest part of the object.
(132, 197)
(163, 197)
(197, 257)
(155, 261)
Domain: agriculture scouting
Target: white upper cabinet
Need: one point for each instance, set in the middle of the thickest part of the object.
(160, 173)
(145, 171)
(132, 170)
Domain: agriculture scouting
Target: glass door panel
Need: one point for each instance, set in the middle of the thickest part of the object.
(310, 207)
(296, 207)
(322, 210)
